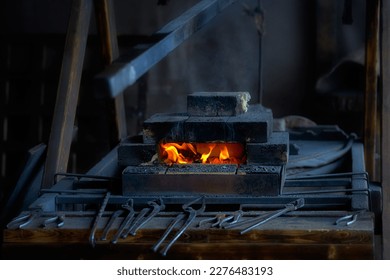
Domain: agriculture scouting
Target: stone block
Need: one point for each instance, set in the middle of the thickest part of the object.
(164, 126)
(135, 153)
(217, 103)
(274, 152)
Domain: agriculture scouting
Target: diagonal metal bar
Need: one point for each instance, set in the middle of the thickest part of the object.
(122, 74)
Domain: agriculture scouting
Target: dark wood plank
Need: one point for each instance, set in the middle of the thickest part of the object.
(68, 91)
(292, 237)
(184, 251)
(105, 16)
(386, 126)
(371, 89)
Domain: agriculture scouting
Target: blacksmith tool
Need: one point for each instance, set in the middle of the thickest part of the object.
(59, 220)
(171, 226)
(257, 221)
(111, 221)
(97, 219)
(138, 218)
(235, 218)
(127, 220)
(24, 219)
(349, 219)
(154, 209)
(216, 221)
(192, 213)
(292, 206)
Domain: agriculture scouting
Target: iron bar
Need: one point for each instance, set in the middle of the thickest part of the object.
(89, 176)
(120, 75)
(95, 224)
(313, 201)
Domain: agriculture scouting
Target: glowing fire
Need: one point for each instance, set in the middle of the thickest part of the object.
(214, 153)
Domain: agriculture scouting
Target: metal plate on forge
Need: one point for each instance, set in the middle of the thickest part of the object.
(204, 179)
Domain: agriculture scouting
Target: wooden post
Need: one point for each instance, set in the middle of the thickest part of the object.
(105, 17)
(68, 91)
(385, 59)
(371, 88)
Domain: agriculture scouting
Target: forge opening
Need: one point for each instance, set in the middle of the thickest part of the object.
(203, 153)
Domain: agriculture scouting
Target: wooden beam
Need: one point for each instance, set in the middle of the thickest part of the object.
(371, 87)
(105, 16)
(385, 59)
(68, 91)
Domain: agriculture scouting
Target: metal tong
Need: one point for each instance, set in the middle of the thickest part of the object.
(191, 213)
(24, 219)
(127, 220)
(59, 220)
(154, 208)
(262, 219)
(220, 219)
(99, 215)
(349, 219)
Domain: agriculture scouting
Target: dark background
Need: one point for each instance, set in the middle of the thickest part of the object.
(303, 41)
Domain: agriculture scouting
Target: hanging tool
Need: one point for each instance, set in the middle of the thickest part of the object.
(192, 213)
(257, 221)
(97, 219)
(154, 209)
(216, 220)
(235, 218)
(220, 219)
(288, 208)
(138, 218)
(127, 220)
(111, 221)
(171, 226)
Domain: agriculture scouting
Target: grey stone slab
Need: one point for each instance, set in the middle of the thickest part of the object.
(164, 126)
(217, 103)
(273, 152)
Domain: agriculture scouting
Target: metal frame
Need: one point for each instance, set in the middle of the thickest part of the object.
(122, 74)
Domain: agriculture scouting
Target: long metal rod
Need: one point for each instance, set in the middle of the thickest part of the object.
(121, 75)
(268, 202)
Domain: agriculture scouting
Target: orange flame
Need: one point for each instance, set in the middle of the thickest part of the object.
(214, 153)
(204, 157)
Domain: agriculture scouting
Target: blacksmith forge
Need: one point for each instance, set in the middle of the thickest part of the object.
(265, 145)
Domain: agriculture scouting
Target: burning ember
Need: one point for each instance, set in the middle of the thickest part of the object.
(212, 153)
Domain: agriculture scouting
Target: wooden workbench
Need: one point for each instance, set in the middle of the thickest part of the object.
(297, 235)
